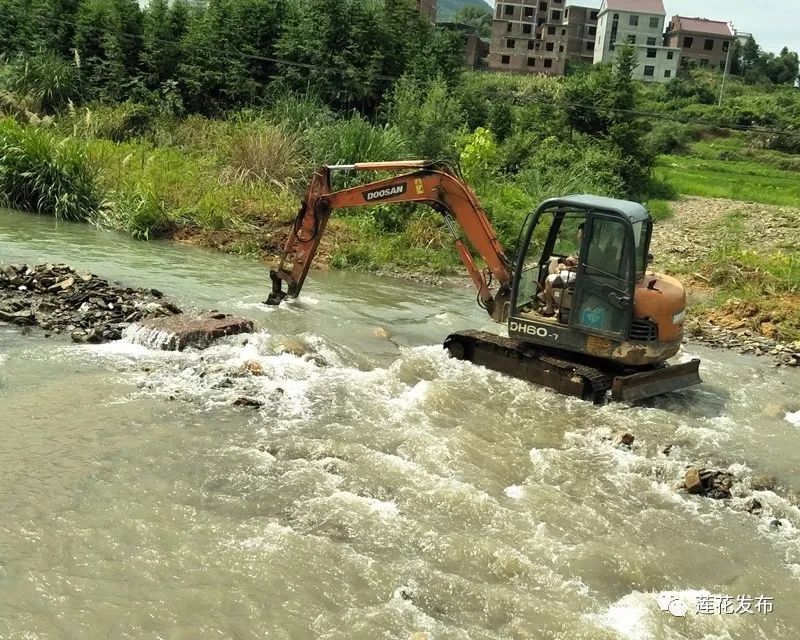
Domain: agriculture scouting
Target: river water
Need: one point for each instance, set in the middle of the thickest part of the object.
(382, 491)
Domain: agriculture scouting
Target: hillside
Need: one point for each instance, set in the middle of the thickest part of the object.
(449, 8)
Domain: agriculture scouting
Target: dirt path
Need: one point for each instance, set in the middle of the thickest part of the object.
(694, 229)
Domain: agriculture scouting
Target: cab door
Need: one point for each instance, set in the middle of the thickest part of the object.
(603, 302)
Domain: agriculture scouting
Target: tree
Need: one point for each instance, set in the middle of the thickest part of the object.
(476, 17)
(108, 39)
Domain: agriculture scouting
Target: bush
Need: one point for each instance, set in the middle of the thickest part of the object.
(355, 140)
(669, 137)
(428, 117)
(118, 123)
(47, 80)
(137, 211)
(39, 173)
(270, 153)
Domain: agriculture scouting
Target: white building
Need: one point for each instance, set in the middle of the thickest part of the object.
(641, 23)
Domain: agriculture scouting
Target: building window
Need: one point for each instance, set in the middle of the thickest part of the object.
(566, 14)
(508, 28)
(649, 71)
(590, 46)
(563, 32)
(561, 48)
(510, 43)
(551, 31)
(556, 15)
(531, 62)
(592, 31)
(684, 61)
(505, 59)
(632, 38)
(539, 22)
(668, 73)
(725, 46)
(709, 45)
(651, 53)
(530, 45)
(688, 41)
(509, 9)
(548, 63)
(593, 15)
(634, 21)
(704, 62)
(542, 6)
(498, 12)
(614, 28)
(528, 12)
(655, 23)
(526, 28)
(549, 46)
(651, 42)
(670, 55)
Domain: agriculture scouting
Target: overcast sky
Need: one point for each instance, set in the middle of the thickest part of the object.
(774, 23)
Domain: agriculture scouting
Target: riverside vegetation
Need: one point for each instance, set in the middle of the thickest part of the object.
(204, 125)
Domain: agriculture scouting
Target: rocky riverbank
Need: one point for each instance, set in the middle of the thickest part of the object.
(60, 300)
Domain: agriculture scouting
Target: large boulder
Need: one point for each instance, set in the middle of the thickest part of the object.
(177, 332)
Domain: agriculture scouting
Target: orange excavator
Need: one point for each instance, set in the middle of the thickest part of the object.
(584, 315)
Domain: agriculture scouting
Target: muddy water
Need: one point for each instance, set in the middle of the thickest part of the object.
(381, 491)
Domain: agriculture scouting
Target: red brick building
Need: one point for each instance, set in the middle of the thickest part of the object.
(703, 41)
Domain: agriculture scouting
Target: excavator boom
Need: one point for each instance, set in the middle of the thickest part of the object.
(436, 184)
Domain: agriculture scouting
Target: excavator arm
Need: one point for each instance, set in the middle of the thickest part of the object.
(436, 184)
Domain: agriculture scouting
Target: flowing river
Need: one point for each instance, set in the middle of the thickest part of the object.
(382, 490)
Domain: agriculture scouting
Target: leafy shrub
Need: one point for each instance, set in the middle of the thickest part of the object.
(428, 116)
(299, 112)
(49, 81)
(480, 156)
(669, 137)
(40, 173)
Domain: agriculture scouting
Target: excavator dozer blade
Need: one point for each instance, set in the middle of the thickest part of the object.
(637, 386)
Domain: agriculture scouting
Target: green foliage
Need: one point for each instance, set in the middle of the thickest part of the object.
(479, 17)
(355, 140)
(259, 152)
(40, 173)
(46, 81)
(117, 122)
(428, 116)
(480, 156)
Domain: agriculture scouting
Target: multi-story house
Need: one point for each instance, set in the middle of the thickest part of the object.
(540, 36)
(581, 23)
(428, 9)
(640, 23)
(706, 42)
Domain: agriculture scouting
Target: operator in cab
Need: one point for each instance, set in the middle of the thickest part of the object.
(561, 274)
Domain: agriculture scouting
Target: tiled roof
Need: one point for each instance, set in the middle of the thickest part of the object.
(637, 6)
(701, 25)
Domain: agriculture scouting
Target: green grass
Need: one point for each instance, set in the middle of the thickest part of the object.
(659, 209)
(734, 180)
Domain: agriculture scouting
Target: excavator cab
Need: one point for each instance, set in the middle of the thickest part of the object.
(582, 256)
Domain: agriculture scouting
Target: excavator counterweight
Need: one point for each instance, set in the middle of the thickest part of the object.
(584, 316)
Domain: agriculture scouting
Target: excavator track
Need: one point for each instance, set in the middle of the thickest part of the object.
(522, 360)
(571, 377)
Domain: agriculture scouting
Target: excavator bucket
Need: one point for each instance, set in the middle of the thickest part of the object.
(647, 384)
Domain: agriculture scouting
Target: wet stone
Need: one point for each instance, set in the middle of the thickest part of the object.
(708, 483)
(178, 332)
